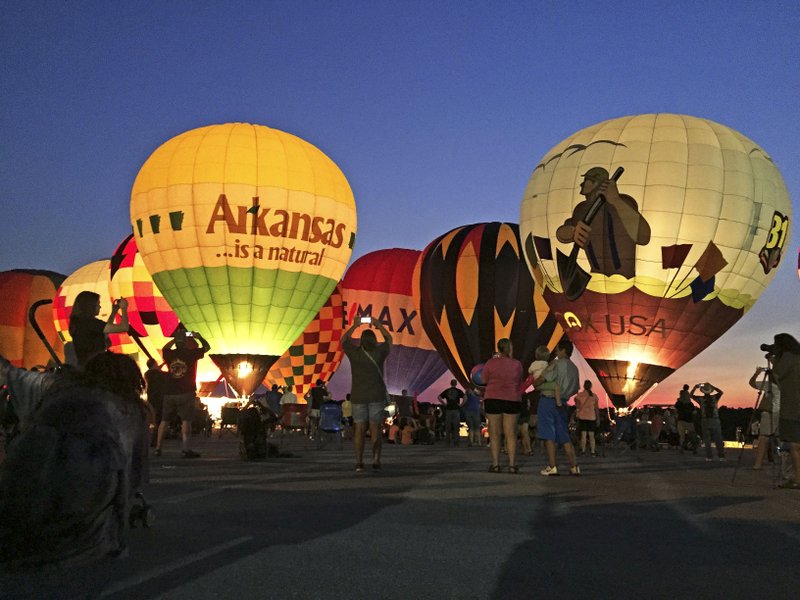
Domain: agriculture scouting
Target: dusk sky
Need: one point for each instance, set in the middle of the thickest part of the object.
(437, 112)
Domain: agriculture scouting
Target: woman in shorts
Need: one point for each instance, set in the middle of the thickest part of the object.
(502, 375)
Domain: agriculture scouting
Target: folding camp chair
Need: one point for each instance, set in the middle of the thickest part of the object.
(330, 423)
(294, 417)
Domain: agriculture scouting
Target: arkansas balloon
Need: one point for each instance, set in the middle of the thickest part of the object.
(246, 230)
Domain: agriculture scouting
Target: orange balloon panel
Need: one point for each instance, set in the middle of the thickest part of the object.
(19, 343)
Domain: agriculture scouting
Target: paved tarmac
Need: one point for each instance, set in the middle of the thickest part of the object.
(433, 523)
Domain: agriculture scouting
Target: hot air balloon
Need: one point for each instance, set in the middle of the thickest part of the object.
(379, 284)
(679, 247)
(246, 230)
(149, 314)
(20, 289)
(475, 289)
(93, 277)
(316, 353)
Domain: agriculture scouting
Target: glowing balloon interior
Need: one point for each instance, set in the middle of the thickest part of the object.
(246, 230)
(645, 272)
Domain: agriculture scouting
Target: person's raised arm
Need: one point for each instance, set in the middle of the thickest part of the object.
(387, 337)
(692, 395)
(203, 343)
(121, 306)
(347, 336)
(754, 379)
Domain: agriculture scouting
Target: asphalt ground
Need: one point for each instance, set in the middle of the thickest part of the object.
(433, 523)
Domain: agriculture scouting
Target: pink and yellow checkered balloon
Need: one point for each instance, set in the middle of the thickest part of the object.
(149, 314)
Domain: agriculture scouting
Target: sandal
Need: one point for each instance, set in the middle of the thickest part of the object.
(513, 469)
(494, 469)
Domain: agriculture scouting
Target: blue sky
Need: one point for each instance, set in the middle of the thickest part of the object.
(436, 112)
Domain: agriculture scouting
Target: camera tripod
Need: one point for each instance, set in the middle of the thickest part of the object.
(763, 386)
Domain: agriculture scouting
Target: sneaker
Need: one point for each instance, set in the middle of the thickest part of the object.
(189, 454)
(547, 471)
(576, 470)
(157, 452)
(709, 459)
(594, 454)
(721, 459)
(359, 468)
(789, 485)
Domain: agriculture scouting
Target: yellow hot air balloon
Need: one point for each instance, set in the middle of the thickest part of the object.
(682, 240)
(246, 230)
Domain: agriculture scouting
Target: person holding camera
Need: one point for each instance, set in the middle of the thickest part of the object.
(708, 401)
(89, 334)
(767, 409)
(368, 393)
(786, 373)
(181, 355)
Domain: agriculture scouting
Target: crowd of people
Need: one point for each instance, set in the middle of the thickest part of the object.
(87, 421)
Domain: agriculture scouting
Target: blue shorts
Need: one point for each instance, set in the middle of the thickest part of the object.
(552, 423)
(374, 412)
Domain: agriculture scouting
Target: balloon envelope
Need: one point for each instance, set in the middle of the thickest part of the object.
(246, 230)
(475, 289)
(316, 353)
(19, 343)
(379, 285)
(149, 314)
(673, 260)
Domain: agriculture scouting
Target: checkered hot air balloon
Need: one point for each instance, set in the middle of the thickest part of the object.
(316, 353)
(149, 314)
